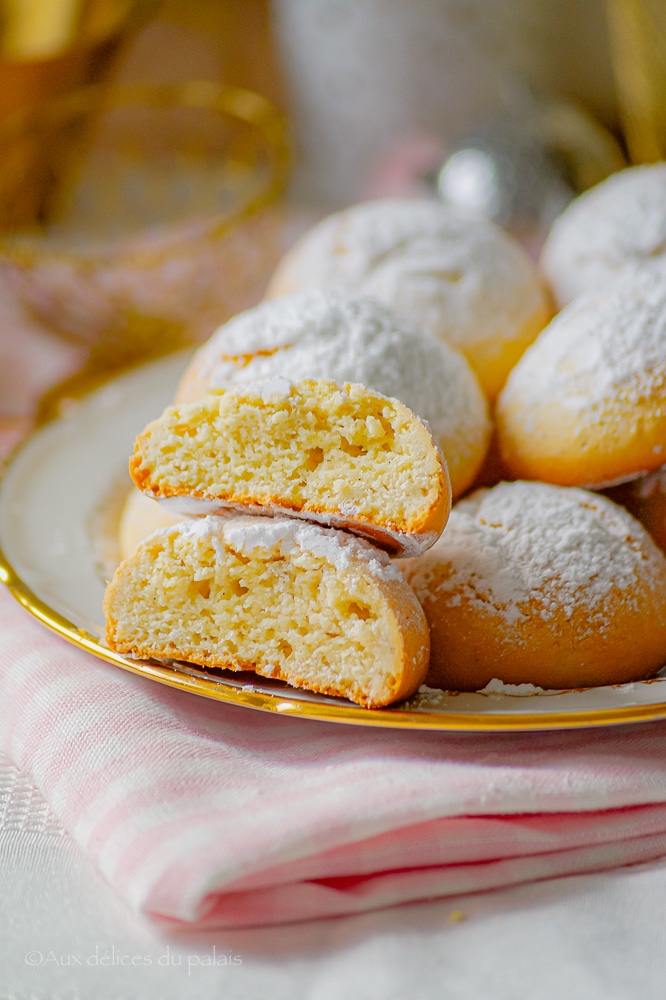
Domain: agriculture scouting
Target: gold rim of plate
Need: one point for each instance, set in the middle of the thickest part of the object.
(245, 690)
(295, 705)
(290, 704)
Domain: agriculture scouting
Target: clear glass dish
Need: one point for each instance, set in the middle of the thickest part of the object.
(135, 255)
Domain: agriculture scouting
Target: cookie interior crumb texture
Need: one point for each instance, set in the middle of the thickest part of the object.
(331, 335)
(315, 448)
(312, 606)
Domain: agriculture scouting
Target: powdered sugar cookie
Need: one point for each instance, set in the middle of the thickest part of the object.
(619, 224)
(308, 605)
(544, 585)
(334, 336)
(462, 278)
(585, 406)
(340, 455)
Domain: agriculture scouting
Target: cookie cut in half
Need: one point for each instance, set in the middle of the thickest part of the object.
(340, 455)
(332, 335)
(308, 605)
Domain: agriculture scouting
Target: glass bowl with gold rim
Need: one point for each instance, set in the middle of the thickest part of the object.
(133, 251)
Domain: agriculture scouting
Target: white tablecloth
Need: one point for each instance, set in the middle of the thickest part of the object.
(65, 936)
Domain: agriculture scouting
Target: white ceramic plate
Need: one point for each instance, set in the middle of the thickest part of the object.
(56, 498)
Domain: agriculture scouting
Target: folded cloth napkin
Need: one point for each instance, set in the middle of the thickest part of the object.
(216, 815)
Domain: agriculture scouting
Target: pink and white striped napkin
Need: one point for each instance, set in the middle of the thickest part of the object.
(221, 816)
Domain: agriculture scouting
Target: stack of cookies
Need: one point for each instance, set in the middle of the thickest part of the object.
(318, 606)
(305, 409)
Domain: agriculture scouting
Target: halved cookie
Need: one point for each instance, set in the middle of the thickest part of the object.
(340, 455)
(328, 334)
(311, 606)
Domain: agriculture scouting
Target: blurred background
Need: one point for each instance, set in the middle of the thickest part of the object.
(359, 77)
(158, 156)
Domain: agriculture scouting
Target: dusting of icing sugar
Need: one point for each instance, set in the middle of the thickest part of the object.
(496, 686)
(619, 224)
(460, 276)
(315, 335)
(402, 544)
(523, 548)
(245, 534)
(277, 386)
(208, 528)
(604, 346)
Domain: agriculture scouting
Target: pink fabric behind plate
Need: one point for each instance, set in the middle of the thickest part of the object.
(215, 815)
